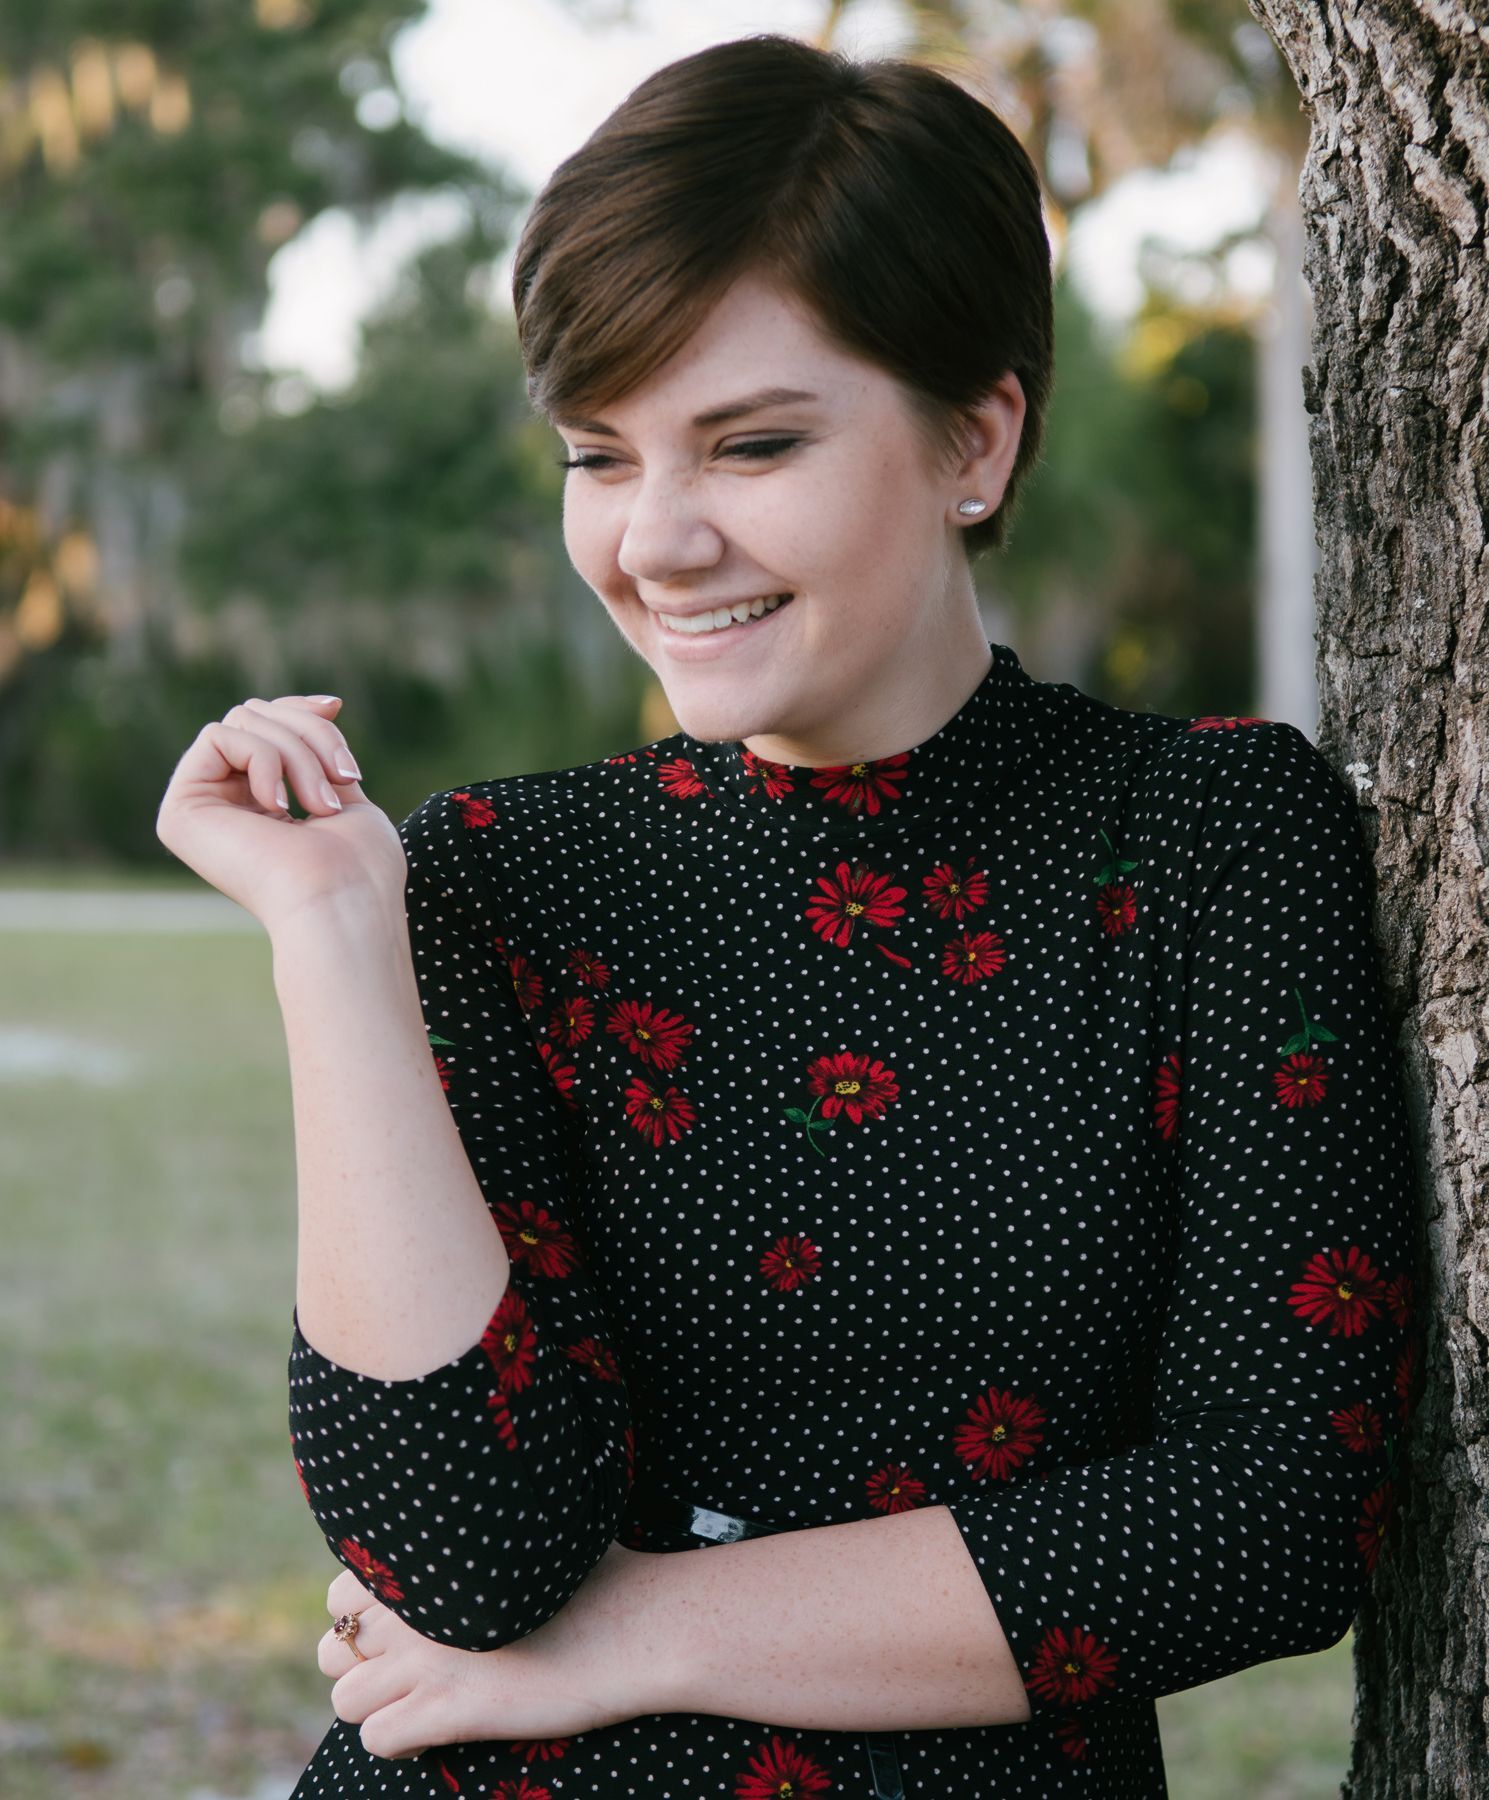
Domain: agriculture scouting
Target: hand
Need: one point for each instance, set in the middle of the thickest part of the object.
(221, 817)
(573, 1674)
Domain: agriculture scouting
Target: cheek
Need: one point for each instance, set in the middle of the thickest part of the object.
(588, 539)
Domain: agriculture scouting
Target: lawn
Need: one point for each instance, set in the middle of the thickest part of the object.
(165, 1583)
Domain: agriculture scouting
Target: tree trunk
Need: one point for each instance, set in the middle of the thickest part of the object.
(1394, 201)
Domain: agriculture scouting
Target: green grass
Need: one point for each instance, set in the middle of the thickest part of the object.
(165, 1584)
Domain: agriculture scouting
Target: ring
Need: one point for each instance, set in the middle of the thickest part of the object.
(345, 1629)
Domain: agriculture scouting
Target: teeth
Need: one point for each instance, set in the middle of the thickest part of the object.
(722, 616)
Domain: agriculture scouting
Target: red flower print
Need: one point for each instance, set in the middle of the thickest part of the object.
(369, 1571)
(657, 1036)
(630, 1457)
(973, 956)
(527, 984)
(1404, 1382)
(598, 1358)
(1302, 1078)
(1301, 1081)
(681, 780)
(893, 1489)
(789, 1262)
(658, 1115)
(851, 896)
(442, 1069)
(1340, 1289)
(859, 1086)
(1070, 1667)
(449, 1780)
(1360, 1427)
(535, 1240)
(1166, 1091)
(572, 1020)
(953, 896)
(299, 1472)
(1116, 907)
(1116, 903)
(1070, 1735)
(1400, 1295)
(900, 962)
(587, 968)
(783, 1772)
(1223, 722)
(863, 787)
(501, 1417)
(771, 778)
(510, 1342)
(520, 1788)
(1003, 1431)
(1380, 1504)
(560, 1073)
(473, 812)
(533, 1750)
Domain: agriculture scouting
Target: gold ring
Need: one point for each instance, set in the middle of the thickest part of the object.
(345, 1629)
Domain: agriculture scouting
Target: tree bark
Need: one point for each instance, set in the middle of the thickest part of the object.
(1394, 201)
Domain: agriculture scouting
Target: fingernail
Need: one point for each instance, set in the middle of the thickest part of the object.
(349, 769)
(332, 797)
(282, 797)
(324, 699)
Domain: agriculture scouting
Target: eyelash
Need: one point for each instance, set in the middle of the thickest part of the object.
(757, 449)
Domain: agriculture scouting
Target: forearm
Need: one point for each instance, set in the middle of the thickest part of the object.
(876, 1625)
(400, 1263)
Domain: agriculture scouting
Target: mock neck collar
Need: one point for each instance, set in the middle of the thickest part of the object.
(874, 796)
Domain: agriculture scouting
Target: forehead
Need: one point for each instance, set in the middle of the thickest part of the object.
(759, 344)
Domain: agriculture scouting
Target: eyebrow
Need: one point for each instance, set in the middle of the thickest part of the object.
(716, 415)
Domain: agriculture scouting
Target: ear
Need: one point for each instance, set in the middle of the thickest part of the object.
(992, 446)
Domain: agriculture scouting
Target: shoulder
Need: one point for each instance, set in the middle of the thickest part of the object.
(1231, 775)
(526, 819)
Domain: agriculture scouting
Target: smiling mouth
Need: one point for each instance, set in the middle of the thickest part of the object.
(723, 618)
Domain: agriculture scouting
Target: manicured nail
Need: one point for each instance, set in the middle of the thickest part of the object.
(324, 699)
(282, 797)
(332, 797)
(349, 769)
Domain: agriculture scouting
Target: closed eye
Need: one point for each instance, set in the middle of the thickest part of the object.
(753, 449)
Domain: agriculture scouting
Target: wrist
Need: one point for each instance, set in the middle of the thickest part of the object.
(359, 919)
(656, 1665)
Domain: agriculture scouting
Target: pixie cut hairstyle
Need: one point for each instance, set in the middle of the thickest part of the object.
(891, 201)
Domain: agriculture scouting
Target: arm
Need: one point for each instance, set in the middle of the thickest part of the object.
(458, 1419)
(1247, 1528)
(877, 1625)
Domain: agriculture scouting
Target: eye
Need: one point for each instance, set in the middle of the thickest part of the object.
(752, 450)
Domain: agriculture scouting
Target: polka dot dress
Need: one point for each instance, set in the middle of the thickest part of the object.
(1008, 1125)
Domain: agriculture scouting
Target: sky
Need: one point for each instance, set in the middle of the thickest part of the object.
(522, 83)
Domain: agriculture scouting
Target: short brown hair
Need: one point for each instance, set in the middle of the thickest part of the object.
(892, 201)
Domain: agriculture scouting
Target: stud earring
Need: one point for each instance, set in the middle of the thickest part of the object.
(970, 508)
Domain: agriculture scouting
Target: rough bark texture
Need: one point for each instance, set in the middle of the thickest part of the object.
(1394, 199)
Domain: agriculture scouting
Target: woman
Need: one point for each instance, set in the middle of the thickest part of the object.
(950, 1281)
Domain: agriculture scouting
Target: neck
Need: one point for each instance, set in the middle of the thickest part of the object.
(924, 686)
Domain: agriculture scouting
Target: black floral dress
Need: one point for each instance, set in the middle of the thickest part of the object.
(1008, 1125)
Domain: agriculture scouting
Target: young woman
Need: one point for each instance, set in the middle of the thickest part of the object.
(849, 1249)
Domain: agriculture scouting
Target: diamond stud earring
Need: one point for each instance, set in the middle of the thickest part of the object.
(972, 507)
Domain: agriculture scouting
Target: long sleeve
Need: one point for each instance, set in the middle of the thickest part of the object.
(474, 1500)
(1246, 1523)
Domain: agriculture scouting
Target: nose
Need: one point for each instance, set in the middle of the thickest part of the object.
(665, 533)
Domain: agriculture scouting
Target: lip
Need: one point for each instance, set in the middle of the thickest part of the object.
(708, 606)
(705, 645)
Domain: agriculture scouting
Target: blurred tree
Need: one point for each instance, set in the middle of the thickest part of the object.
(152, 159)
(1096, 90)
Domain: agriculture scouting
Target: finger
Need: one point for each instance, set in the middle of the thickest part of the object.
(300, 764)
(335, 1657)
(395, 1729)
(326, 739)
(366, 1687)
(347, 1594)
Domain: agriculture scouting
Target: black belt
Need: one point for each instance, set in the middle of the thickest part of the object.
(886, 1781)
